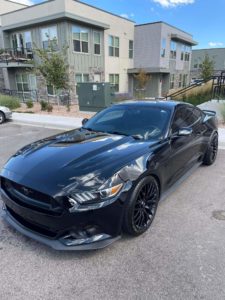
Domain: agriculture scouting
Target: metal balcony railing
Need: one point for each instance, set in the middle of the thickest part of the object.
(18, 55)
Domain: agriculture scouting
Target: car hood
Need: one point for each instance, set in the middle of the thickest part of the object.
(77, 158)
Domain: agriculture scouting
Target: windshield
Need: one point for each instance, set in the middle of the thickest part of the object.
(141, 122)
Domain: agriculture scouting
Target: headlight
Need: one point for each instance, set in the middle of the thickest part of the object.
(111, 192)
(90, 197)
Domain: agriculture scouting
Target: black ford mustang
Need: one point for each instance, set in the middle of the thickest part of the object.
(81, 189)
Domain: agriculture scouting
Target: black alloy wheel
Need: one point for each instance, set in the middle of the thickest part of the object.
(212, 151)
(142, 206)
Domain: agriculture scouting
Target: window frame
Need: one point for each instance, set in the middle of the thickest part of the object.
(49, 38)
(14, 37)
(163, 48)
(173, 50)
(131, 49)
(81, 40)
(180, 80)
(82, 75)
(172, 81)
(94, 43)
(114, 47)
(114, 82)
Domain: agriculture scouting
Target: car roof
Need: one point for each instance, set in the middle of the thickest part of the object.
(169, 104)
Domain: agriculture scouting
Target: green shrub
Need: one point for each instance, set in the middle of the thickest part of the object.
(44, 105)
(9, 101)
(49, 107)
(29, 104)
(223, 112)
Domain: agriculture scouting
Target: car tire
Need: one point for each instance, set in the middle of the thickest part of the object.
(2, 117)
(141, 206)
(211, 153)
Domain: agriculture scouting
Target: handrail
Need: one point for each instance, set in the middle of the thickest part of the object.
(184, 90)
(177, 93)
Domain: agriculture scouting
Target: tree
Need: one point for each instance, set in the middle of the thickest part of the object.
(207, 68)
(53, 66)
(142, 79)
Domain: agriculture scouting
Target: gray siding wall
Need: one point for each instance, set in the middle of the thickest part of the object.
(88, 63)
(81, 63)
(217, 55)
(147, 43)
(174, 64)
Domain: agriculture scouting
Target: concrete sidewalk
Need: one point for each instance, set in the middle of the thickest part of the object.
(66, 123)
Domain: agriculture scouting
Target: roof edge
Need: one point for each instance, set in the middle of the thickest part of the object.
(162, 22)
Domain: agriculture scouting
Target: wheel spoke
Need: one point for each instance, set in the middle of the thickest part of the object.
(145, 206)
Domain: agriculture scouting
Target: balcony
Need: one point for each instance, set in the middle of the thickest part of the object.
(20, 57)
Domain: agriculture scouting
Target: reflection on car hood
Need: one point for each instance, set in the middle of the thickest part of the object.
(76, 157)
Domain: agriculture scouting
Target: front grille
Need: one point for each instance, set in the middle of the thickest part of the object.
(31, 226)
(30, 198)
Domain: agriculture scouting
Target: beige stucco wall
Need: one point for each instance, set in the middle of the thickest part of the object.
(8, 6)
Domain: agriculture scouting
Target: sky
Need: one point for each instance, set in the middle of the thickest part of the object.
(204, 19)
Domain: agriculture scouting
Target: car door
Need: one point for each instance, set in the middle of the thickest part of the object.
(182, 150)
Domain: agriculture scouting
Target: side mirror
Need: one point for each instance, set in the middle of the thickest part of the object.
(185, 131)
(84, 121)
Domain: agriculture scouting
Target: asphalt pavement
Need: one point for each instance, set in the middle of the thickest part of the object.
(182, 256)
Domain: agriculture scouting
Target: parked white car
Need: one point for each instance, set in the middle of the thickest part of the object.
(5, 114)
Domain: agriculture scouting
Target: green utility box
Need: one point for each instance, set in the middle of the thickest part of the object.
(93, 96)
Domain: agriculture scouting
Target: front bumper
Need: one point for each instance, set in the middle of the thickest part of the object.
(89, 244)
(67, 231)
(8, 115)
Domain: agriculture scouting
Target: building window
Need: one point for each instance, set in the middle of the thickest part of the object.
(97, 43)
(163, 47)
(115, 79)
(50, 90)
(172, 78)
(195, 64)
(173, 50)
(180, 81)
(80, 39)
(49, 38)
(131, 49)
(114, 46)
(81, 78)
(182, 52)
(22, 82)
(185, 77)
(22, 40)
(187, 53)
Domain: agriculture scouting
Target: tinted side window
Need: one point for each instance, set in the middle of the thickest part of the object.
(198, 114)
(184, 117)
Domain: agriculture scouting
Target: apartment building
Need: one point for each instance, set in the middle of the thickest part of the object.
(164, 52)
(5, 7)
(99, 44)
(102, 47)
(217, 55)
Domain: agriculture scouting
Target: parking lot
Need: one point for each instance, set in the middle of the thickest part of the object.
(182, 256)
